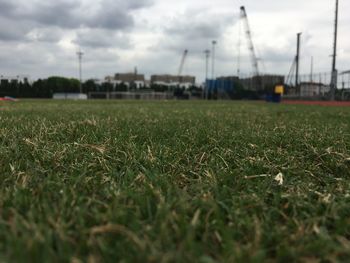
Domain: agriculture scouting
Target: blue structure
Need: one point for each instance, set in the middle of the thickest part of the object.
(219, 86)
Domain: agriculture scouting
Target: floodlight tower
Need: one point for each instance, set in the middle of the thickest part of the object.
(80, 59)
(214, 42)
(212, 82)
(312, 70)
(207, 56)
(297, 62)
(334, 63)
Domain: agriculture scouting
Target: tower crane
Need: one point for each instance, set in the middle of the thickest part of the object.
(254, 59)
(183, 60)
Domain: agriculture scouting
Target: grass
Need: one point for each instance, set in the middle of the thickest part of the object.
(173, 182)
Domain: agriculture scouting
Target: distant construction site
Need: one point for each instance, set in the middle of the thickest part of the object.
(332, 85)
(257, 85)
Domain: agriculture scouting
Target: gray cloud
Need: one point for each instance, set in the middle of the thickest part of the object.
(10, 35)
(6, 7)
(195, 32)
(71, 14)
(11, 30)
(40, 37)
(101, 38)
(57, 13)
(45, 34)
(100, 24)
(112, 18)
(201, 26)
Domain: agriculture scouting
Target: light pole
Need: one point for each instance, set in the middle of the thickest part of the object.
(334, 62)
(80, 58)
(214, 42)
(207, 56)
(297, 61)
(312, 70)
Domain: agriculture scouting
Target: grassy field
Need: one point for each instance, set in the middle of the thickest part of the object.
(173, 182)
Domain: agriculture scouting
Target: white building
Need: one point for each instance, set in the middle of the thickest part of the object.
(173, 81)
(129, 79)
(312, 89)
(70, 96)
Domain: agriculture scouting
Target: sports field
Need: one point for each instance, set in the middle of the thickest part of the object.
(174, 182)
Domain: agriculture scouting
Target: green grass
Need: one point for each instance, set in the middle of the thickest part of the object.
(173, 182)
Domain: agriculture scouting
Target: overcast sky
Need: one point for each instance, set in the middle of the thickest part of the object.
(41, 37)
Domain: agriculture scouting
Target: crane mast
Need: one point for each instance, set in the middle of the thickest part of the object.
(254, 58)
(184, 56)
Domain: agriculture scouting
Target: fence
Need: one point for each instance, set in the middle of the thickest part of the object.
(317, 86)
(310, 86)
(343, 79)
(132, 95)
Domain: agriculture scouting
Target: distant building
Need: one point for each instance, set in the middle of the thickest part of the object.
(173, 81)
(313, 89)
(227, 82)
(129, 79)
(229, 78)
(222, 84)
(147, 83)
(263, 82)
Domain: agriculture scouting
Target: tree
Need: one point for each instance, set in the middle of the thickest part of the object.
(106, 87)
(39, 89)
(122, 87)
(62, 85)
(89, 86)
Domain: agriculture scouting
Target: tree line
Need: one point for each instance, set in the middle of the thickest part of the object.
(41, 88)
(45, 88)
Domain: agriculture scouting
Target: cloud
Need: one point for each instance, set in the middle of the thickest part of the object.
(41, 37)
(102, 38)
(6, 7)
(195, 32)
(45, 34)
(199, 27)
(57, 13)
(12, 30)
(74, 14)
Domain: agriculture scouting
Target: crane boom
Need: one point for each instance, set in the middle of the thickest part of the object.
(254, 58)
(184, 56)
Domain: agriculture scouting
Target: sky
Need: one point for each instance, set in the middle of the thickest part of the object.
(40, 38)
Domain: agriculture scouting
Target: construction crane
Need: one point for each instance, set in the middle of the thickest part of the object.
(289, 80)
(294, 71)
(183, 60)
(254, 58)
